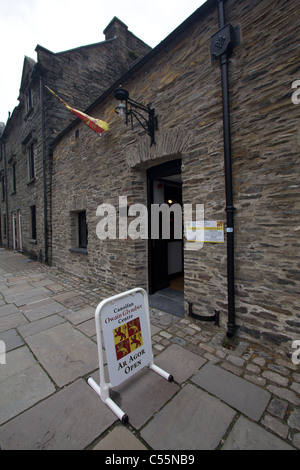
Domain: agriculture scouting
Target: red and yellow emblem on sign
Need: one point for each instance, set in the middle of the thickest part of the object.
(127, 338)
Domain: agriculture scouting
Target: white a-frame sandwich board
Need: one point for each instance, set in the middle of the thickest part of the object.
(125, 323)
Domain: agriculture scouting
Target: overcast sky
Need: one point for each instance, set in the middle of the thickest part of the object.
(59, 25)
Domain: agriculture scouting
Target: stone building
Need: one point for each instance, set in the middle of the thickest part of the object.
(80, 75)
(258, 184)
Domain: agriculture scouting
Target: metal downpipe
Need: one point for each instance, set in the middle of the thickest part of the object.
(224, 59)
(44, 167)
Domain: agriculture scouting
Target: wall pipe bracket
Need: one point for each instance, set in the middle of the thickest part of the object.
(212, 318)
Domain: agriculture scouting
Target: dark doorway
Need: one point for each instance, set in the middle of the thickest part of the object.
(165, 261)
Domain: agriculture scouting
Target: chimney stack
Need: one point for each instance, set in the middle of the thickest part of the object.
(116, 28)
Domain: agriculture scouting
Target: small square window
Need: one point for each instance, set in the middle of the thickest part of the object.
(79, 232)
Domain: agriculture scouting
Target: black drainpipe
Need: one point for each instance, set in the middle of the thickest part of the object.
(5, 194)
(37, 70)
(222, 44)
(44, 164)
(44, 167)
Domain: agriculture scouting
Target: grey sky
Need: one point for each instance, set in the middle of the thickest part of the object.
(60, 25)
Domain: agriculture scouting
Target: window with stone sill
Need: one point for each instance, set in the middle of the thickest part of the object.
(79, 232)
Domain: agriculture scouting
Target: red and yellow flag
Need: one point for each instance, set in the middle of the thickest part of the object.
(96, 125)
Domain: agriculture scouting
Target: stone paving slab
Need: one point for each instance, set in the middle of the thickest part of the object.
(10, 289)
(41, 309)
(179, 362)
(142, 395)
(69, 299)
(61, 349)
(193, 420)
(82, 315)
(64, 352)
(23, 383)
(23, 298)
(7, 309)
(246, 435)
(237, 392)
(88, 328)
(11, 339)
(69, 420)
(120, 438)
(12, 320)
(40, 325)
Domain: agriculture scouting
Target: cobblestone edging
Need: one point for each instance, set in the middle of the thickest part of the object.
(275, 374)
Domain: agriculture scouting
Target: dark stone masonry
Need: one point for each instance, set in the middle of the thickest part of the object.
(182, 81)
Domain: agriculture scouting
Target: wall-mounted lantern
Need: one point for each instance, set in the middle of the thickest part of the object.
(130, 109)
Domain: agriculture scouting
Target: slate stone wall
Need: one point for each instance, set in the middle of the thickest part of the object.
(184, 85)
(79, 76)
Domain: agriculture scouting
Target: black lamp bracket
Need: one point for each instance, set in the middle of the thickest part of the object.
(133, 109)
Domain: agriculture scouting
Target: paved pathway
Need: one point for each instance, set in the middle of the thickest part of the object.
(244, 398)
